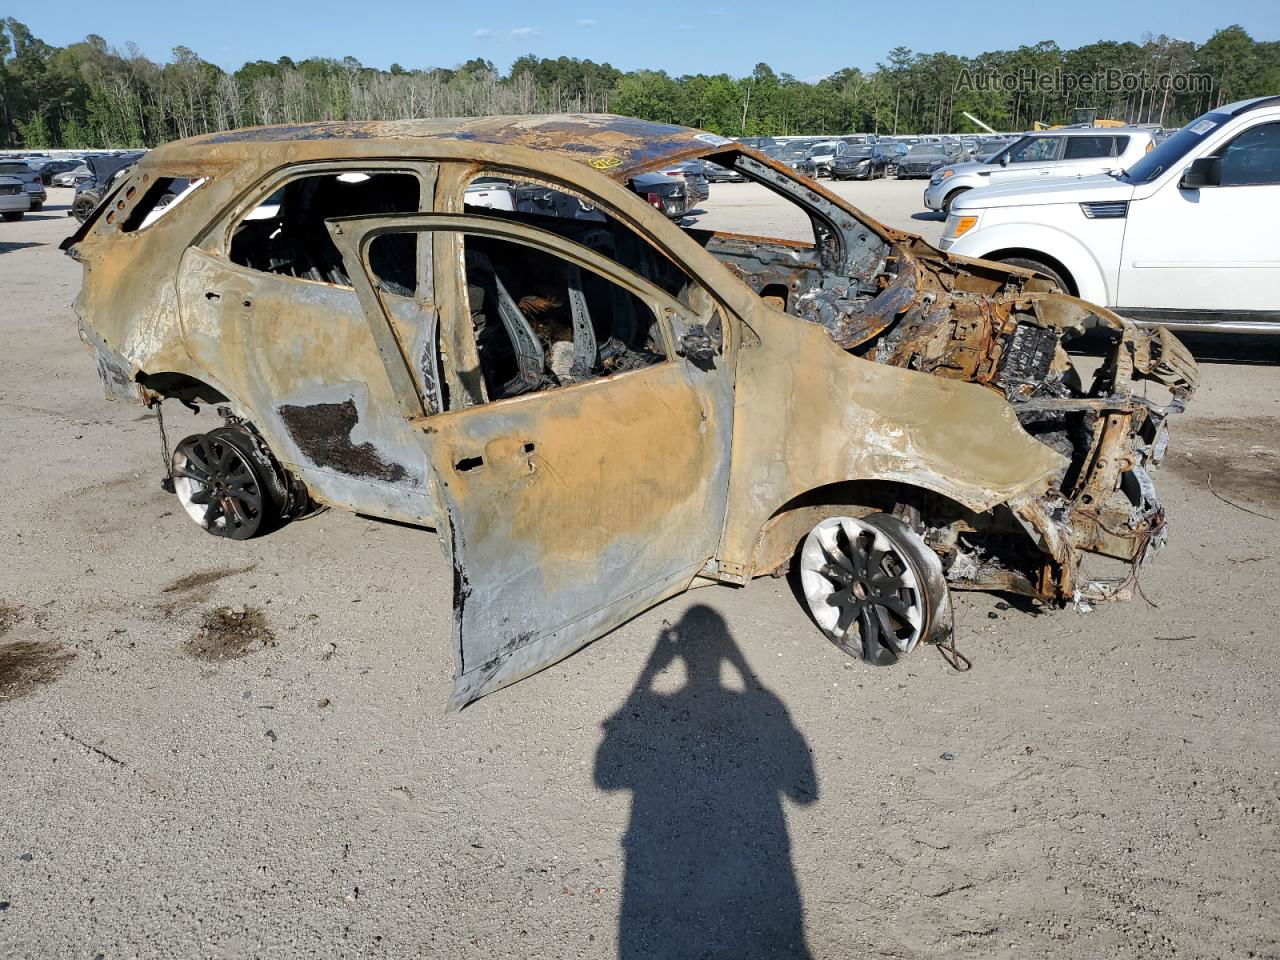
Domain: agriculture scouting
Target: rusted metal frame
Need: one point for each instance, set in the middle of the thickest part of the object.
(621, 209)
(216, 235)
(355, 234)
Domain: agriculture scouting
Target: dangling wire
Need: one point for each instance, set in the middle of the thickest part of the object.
(167, 483)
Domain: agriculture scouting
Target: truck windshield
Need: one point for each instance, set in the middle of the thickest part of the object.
(1174, 149)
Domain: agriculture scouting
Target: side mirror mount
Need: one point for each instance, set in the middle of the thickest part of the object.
(1203, 172)
(697, 346)
(1004, 160)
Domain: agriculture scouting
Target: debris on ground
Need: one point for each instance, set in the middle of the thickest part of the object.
(27, 664)
(231, 633)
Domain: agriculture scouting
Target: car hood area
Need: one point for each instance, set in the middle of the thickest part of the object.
(1099, 188)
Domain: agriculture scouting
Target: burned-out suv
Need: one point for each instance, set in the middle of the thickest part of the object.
(594, 413)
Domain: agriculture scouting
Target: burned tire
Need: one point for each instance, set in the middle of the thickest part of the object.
(85, 202)
(873, 587)
(1042, 268)
(228, 485)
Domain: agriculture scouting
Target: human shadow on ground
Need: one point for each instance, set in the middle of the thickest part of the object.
(708, 860)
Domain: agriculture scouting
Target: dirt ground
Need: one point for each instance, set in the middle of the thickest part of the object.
(218, 749)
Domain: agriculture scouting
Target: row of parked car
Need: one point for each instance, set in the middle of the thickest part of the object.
(23, 180)
(866, 157)
(1177, 231)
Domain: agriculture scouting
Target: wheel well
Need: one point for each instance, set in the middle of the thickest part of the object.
(1040, 256)
(181, 386)
(791, 522)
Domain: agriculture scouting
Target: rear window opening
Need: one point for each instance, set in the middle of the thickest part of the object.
(161, 196)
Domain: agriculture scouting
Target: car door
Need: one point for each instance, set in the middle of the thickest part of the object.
(268, 311)
(1031, 159)
(581, 468)
(1210, 251)
(1087, 154)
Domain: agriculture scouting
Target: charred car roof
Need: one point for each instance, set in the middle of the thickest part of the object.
(619, 147)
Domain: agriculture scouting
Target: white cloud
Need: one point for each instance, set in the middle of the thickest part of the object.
(525, 33)
(482, 33)
(587, 22)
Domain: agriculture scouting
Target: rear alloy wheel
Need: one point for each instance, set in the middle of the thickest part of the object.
(873, 586)
(226, 484)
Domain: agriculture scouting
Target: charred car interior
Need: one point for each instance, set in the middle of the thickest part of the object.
(595, 406)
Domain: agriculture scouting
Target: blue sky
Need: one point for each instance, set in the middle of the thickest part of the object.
(680, 36)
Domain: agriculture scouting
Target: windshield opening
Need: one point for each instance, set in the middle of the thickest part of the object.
(1168, 153)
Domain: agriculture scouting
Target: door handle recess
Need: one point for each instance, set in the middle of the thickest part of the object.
(466, 464)
(210, 295)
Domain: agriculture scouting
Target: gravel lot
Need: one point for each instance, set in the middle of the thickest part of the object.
(281, 781)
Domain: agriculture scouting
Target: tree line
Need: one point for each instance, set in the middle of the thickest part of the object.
(90, 94)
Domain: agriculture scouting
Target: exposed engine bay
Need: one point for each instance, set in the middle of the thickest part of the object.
(909, 306)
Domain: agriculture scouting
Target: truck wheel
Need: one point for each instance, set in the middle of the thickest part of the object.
(1042, 268)
(873, 586)
(14, 215)
(951, 198)
(227, 485)
(37, 206)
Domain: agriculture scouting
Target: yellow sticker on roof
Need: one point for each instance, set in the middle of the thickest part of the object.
(607, 162)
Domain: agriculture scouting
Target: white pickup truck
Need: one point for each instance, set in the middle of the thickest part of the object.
(1185, 237)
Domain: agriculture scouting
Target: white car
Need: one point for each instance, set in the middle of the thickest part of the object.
(1184, 238)
(1080, 152)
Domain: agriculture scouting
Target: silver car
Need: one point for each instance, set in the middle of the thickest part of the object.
(14, 201)
(1080, 152)
(29, 177)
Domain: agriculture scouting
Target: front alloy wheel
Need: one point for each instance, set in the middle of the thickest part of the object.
(873, 586)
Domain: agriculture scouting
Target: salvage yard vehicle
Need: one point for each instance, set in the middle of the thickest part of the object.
(30, 179)
(861, 163)
(106, 168)
(1040, 156)
(1184, 237)
(14, 199)
(922, 159)
(595, 413)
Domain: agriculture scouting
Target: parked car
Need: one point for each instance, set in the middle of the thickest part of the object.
(14, 199)
(718, 174)
(894, 151)
(497, 193)
(106, 169)
(593, 414)
(862, 163)
(669, 195)
(48, 169)
(695, 180)
(29, 177)
(922, 159)
(1060, 153)
(794, 152)
(1185, 237)
(819, 157)
(72, 177)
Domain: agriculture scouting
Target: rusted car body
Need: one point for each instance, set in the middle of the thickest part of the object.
(369, 345)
